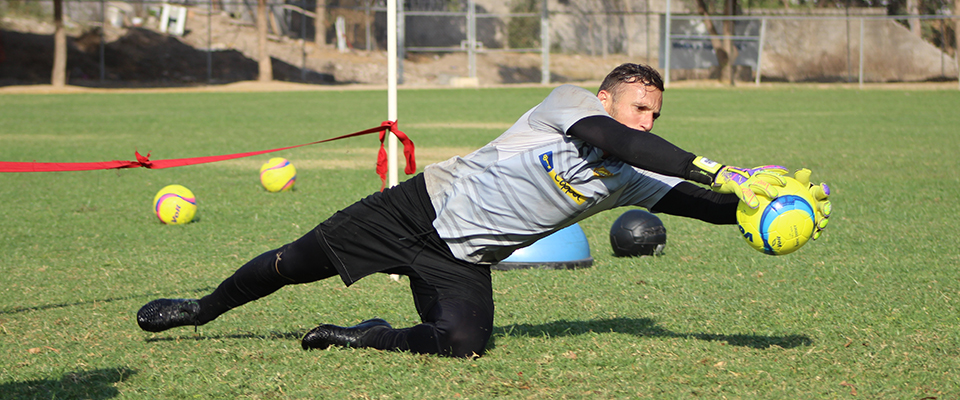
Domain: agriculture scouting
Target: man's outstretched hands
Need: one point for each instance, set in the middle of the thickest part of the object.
(765, 180)
(747, 183)
(821, 194)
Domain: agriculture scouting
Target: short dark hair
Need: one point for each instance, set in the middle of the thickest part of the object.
(631, 73)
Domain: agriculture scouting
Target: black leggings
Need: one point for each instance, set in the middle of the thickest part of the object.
(453, 325)
(302, 261)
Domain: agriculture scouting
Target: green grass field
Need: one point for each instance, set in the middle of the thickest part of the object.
(869, 311)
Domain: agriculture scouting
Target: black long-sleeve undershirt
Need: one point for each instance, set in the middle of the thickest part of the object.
(692, 201)
(650, 152)
(637, 148)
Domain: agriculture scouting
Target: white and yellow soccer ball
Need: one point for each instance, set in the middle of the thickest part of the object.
(780, 226)
(278, 175)
(175, 205)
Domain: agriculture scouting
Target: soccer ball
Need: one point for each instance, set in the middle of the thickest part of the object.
(638, 233)
(278, 175)
(780, 226)
(175, 205)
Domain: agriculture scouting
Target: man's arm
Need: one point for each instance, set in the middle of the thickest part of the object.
(692, 201)
(638, 148)
(650, 152)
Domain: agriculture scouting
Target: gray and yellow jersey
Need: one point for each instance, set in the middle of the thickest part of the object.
(533, 180)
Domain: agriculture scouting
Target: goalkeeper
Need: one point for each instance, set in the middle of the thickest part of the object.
(569, 157)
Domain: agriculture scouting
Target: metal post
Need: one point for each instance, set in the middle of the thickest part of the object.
(472, 38)
(103, 28)
(861, 53)
(303, 42)
(647, 18)
(667, 43)
(626, 36)
(401, 31)
(956, 42)
(763, 31)
(544, 45)
(604, 32)
(366, 14)
(847, 20)
(210, 42)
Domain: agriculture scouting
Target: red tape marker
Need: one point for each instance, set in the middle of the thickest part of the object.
(146, 162)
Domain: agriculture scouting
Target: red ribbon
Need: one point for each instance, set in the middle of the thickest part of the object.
(146, 162)
(382, 155)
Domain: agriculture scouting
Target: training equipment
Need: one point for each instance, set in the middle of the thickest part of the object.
(638, 233)
(325, 335)
(162, 314)
(278, 175)
(781, 225)
(175, 205)
(564, 249)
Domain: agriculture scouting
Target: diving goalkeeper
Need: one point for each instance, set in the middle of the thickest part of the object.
(569, 157)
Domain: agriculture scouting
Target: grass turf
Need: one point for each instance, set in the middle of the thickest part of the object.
(870, 310)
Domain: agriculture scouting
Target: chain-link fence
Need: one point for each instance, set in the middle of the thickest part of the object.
(443, 41)
(869, 47)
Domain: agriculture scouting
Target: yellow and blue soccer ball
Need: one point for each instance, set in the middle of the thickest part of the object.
(175, 205)
(278, 175)
(780, 226)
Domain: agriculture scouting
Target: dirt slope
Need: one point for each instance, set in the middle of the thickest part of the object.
(144, 57)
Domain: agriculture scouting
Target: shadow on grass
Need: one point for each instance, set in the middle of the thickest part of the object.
(152, 295)
(94, 384)
(644, 327)
(648, 328)
(261, 336)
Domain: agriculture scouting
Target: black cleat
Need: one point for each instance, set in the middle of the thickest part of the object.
(162, 314)
(325, 335)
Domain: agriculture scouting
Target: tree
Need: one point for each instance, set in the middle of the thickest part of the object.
(727, 70)
(913, 8)
(320, 23)
(59, 75)
(723, 48)
(265, 68)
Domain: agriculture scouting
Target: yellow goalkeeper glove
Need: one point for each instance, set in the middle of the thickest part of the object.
(745, 183)
(821, 194)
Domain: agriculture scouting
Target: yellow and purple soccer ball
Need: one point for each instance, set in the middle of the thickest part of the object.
(278, 175)
(780, 226)
(175, 205)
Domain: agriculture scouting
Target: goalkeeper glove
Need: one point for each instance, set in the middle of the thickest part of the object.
(821, 194)
(745, 183)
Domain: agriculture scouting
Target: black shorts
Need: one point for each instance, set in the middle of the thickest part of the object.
(392, 232)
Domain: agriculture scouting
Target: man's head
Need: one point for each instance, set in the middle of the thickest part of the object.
(632, 94)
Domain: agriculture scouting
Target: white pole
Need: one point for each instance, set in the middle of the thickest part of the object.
(392, 175)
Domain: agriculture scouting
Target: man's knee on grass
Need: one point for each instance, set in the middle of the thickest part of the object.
(463, 328)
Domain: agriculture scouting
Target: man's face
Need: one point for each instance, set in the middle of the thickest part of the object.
(636, 105)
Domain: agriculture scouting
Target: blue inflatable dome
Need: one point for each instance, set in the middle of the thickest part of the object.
(564, 249)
